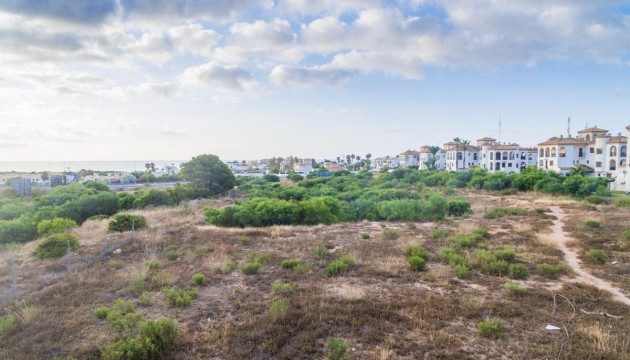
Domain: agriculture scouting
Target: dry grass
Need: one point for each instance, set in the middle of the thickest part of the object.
(380, 308)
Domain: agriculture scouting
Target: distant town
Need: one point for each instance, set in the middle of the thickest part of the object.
(592, 152)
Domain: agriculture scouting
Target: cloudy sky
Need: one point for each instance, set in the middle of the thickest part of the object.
(244, 79)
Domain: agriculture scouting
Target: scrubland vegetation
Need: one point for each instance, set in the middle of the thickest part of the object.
(402, 265)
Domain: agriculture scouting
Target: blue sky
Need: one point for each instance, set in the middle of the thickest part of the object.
(244, 79)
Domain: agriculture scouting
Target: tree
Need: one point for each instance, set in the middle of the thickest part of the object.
(431, 162)
(45, 175)
(464, 145)
(208, 172)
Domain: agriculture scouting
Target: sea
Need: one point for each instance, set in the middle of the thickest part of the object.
(72, 166)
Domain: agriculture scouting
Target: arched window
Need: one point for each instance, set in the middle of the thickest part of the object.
(511, 155)
(613, 150)
(491, 157)
(588, 137)
(498, 167)
(505, 155)
(612, 165)
(553, 152)
(541, 153)
(623, 152)
(547, 152)
(498, 157)
(622, 163)
(563, 152)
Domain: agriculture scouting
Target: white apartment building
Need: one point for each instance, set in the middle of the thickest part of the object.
(386, 161)
(509, 158)
(409, 158)
(426, 157)
(459, 158)
(595, 150)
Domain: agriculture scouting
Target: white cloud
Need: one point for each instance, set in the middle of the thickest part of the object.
(228, 77)
(223, 100)
(284, 75)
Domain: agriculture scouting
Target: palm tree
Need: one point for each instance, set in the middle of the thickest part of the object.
(431, 162)
(464, 144)
(348, 159)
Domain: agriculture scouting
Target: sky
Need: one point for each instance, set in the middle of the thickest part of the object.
(251, 79)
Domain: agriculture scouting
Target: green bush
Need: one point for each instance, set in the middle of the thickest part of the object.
(336, 349)
(438, 233)
(198, 279)
(418, 251)
(515, 288)
(289, 263)
(458, 207)
(595, 199)
(161, 333)
(508, 255)
(626, 235)
(322, 252)
(178, 297)
(243, 240)
(282, 287)
(417, 263)
(462, 270)
(54, 226)
(251, 268)
(340, 265)
(518, 271)
(172, 255)
(153, 265)
(594, 256)
(124, 306)
(623, 202)
(278, 310)
(127, 222)
(101, 312)
(146, 299)
(593, 224)
(227, 267)
(501, 212)
(365, 236)
(489, 328)
(6, 324)
(138, 285)
(128, 349)
(551, 271)
(57, 246)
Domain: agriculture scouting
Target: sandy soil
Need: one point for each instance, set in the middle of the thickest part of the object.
(562, 239)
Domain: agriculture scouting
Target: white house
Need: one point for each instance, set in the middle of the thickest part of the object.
(426, 157)
(409, 158)
(509, 158)
(459, 158)
(594, 150)
(386, 161)
(303, 167)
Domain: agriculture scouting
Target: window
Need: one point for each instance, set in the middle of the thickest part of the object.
(553, 152)
(547, 153)
(541, 163)
(588, 137)
(511, 155)
(491, 164)
(623, 151)
(498, 155)
(598, 164)
(600, 151)
(563, 152)
(581, 152)
(591, 150)
(613, 151)
(475, 156)
(505, 155)
(530, 157)
(551, 163)
(509, 164)
(491, 156)
(541, 152)
(459, 156)
(612, 165)
(622, 163)
(498, 166)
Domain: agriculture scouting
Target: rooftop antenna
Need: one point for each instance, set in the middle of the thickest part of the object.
(569, 127)
(499, 128)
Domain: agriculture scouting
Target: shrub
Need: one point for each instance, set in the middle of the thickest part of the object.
(129, 348)
(551, 271)
(597, 256)
(198, 279)
(508, 255)
(340, 265)
(595, 199)
(138, 285)
(462, 270)
(336, 349)
(251, 268)
(161, 333)
(515, 288)
(623, 202)
(127, 222)
(172, 255)
(626, 235)
(458, 207)
(439, 233)
(57, 246)
(322, 252)
(54, 226)
(390, 234)
(365, 236)
(593, 224)
(178, 297)
(289, 263)
(227, 267)
(518, 271)
(101, 312)
(124, 306)
(501, 212)
(418, 251)
(153, 265)
(278, 310)
(243, 240)
(146, 299)
(489, 328)
(417, 263)
(6, 324)
(282, 287)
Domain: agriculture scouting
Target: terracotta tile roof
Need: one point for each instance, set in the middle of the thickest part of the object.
(409, 152)
(618, 140)
(592, 129)
(564, 141)
(504, 147)
(486, 139)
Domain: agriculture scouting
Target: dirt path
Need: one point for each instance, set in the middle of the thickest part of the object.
(561, 238)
